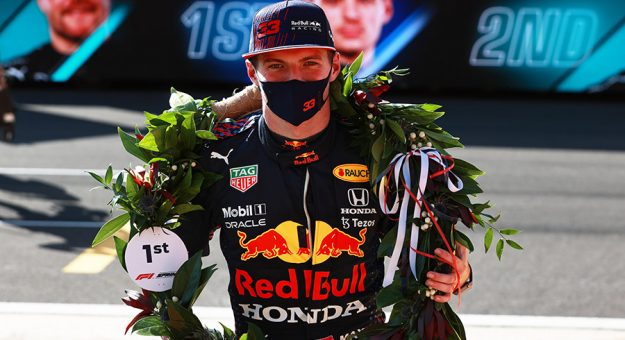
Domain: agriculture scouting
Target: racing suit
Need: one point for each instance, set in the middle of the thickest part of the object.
(298, 230)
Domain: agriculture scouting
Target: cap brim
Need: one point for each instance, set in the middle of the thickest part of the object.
(291, 47)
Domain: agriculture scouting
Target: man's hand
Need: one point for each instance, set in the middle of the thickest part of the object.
(446, 283)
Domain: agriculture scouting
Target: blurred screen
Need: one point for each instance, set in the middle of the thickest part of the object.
(536, 46)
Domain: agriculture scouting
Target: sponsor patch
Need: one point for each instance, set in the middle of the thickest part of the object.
(355, 173)
(244, 177)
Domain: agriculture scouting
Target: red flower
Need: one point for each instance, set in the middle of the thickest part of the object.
(139, 301)
(378, 90)
(139, 136)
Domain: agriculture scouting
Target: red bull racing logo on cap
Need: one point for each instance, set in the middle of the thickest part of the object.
(244, 177)
(355, 173)
(286, 243)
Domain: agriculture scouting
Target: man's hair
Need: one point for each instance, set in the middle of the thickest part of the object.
(254, 59)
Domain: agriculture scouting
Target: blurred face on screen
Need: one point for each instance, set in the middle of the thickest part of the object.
(74, 20)
(356, 24)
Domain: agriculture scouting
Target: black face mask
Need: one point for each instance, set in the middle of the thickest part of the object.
(295, 101)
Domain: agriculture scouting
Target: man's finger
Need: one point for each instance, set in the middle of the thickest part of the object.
(462, 252)
(443, 278)
(442, 287)
(442, 298)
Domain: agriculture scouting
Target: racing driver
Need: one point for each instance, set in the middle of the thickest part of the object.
(299, 226)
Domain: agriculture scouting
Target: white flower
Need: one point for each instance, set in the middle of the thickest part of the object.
(193, 164)
(175, 299)
(428, 220)
(428, 144)
(174, 167)
(381, 121)
(413, 147)
(421, 134)
(370, 116)
(371, 126)
(413, 136)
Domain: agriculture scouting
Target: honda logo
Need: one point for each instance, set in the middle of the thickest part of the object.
(358, 197)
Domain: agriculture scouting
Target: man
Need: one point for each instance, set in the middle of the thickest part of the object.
(299, 225)
(357, 25)
(70, 23)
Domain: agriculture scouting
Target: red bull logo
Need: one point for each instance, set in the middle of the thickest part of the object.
(294, 144)
(337, 241)
(306, 158)
(285, 242)
(270, 244)
(315, 285)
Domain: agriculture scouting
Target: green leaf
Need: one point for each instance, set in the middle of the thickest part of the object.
(185, 208)
(181, 319)
(509, 231)
(396, 128)
(97, 177)
(207, 273)
(187, 279)
(378, 148)
(463, 239)
(109, 228)
(347, 87)
(131, 187)
(130, 144)
(488, 239)
(444, 137)
(466, 168)
(390, 295)
(109, 176)
(119, 183)
(499, 249)
(228, 333)
(204, 134)
(514, 245)
(253, 332)
(154, 140)
(151, 326)
(120, 247)
(181, 100)
(355, 66)
(430, 107)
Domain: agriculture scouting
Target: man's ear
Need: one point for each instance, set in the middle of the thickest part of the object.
(251, 72)
(336, 66)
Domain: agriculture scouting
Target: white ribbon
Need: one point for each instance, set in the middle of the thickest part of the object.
(401, 167)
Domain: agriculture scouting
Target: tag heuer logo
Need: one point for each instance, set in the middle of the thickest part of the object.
(244, 177)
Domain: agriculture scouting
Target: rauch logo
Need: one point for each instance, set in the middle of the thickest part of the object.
(357, 173)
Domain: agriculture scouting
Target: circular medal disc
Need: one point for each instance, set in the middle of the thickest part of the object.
(153, 257)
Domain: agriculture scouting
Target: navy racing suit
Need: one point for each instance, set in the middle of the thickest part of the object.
(298, 228)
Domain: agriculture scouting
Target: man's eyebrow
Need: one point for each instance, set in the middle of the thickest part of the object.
(316, 57)
(273, 60)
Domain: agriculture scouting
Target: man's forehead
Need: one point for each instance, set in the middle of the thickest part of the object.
(293, 54)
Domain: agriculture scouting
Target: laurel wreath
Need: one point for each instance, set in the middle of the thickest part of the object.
(159, 191)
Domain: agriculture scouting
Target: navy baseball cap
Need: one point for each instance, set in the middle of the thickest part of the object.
(287, 25)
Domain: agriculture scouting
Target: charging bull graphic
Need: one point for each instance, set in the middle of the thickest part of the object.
(270, 244)
(337, 242)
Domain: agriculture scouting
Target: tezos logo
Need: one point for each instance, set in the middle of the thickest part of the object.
(356, 173)
(244, 177)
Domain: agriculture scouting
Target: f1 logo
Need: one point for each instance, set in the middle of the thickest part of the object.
(309, 104)
(268, 28)
(358, 197)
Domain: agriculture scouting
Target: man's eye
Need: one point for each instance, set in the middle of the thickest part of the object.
(311, 63)
(274, 66)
